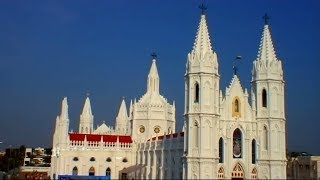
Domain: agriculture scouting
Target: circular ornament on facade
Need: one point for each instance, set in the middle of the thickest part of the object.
(142, 129)
(157, 130)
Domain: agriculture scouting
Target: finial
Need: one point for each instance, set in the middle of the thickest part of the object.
(154, 55)
(87, 93)
(203, 8)
(235, 68)
(266, 19)
(123, 97)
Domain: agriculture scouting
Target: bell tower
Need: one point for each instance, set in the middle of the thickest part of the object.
(201, 107)
(268, 89)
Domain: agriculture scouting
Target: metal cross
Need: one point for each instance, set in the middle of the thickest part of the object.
(266, 18)
(235, 68)
(154, 55)
(203, 8)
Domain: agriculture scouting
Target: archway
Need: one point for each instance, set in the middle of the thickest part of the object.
(237, 172)
(91, 171)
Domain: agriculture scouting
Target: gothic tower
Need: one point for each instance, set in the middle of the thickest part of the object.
(201, 108)
(268, 89)
(86, 118)
(122, 119)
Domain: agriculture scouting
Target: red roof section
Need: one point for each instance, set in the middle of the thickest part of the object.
(77, 137)
(97, 137)
(126, 139)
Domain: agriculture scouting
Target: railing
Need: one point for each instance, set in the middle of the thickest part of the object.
(99, 145)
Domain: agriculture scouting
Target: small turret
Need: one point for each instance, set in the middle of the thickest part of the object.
(122, 119)
(86, 118)
(153, 78)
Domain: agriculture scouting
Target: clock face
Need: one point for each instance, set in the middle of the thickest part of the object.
(157, 130)
(142, 129)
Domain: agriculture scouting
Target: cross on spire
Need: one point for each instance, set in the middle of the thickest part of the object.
(203, 8)
(266, 18)
(154, 55)
(235, 68)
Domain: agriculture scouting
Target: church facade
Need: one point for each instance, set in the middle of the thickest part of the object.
(232, 134)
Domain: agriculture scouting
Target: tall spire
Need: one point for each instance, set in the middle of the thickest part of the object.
(87, 107)
(122, 114)
(86, 118)
(202, 43)
(266, 50)
(64, 116)
(153, 77)
(122, 118)
(130, 109)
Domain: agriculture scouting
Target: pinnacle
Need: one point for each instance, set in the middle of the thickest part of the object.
(202, 43)
(87, 107)
(266, 51)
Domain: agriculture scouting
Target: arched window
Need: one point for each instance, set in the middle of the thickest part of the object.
(265, 138)
(91, 171)
(125, 160)
(253, 148)
(75, 171)
(237, 143)
(196, 134)
(221, 150)
(75, 159)
(92, 159)
(197, 93)
(264, 98)
(237, 172)
(108, 172)
(108, 159)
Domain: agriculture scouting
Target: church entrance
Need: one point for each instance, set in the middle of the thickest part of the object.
(237, 172)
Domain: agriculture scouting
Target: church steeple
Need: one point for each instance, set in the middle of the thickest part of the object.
(267, 60)
(122, 118)
(64, 116)
(153, 77)
(202, 42)
(86, 118)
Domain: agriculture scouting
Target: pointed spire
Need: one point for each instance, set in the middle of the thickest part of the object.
(122, 114)
(202, 43)
(130, 109)
(87, 107)
(266, 50)
(153, 77)
(64, 109)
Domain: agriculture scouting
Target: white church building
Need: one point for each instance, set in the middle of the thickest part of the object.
(231, 134)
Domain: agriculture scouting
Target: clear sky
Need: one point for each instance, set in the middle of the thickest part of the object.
(52, 49)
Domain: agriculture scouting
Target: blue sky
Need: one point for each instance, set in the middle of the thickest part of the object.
(52, 49)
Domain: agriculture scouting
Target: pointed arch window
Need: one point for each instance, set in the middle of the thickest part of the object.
(197, 93)
(108, 172)
(92, 159)
(264, 98)
(221, 173)
(75, 171)
(237, 143)
(253, 148)
(91, 171)
(254, 173)
(221, 150)
(265, 138)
